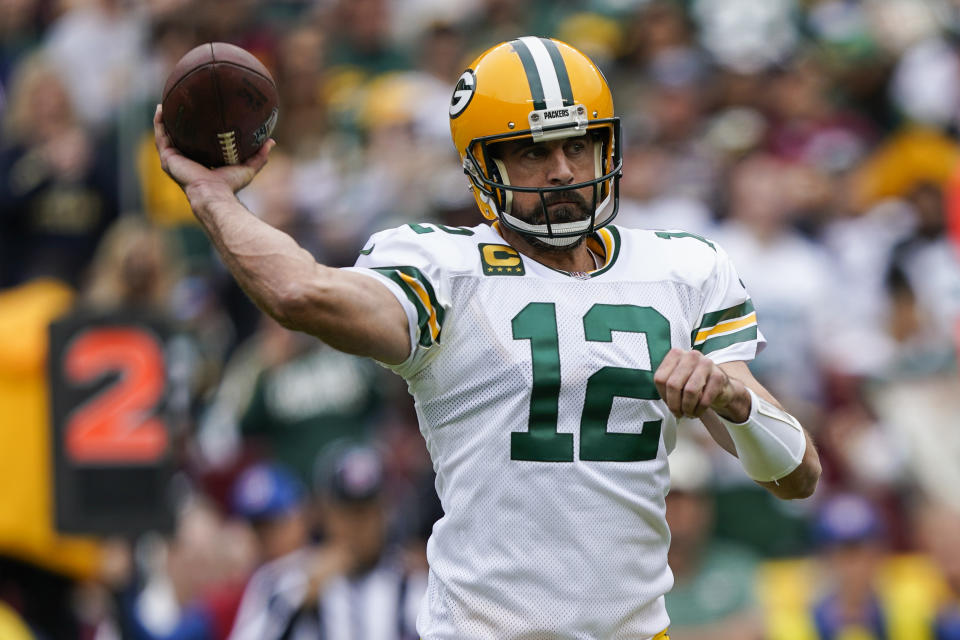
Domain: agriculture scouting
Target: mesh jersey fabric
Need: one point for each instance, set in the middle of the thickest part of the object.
(575, 547)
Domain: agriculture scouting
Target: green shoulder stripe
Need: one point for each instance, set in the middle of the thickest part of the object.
(724, 341)
(425, 282)
(425, 309)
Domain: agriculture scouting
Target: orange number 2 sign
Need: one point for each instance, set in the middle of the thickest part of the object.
(119, 423)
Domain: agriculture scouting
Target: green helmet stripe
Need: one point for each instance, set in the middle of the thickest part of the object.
(566, 90)
(533, 76)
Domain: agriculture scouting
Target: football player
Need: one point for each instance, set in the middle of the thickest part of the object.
(550, 353)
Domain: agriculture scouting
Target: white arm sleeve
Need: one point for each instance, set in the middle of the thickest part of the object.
(770, 444)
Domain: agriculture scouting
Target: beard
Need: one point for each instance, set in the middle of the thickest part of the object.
(573, 208)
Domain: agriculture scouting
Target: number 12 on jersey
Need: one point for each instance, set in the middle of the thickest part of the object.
(537, 322)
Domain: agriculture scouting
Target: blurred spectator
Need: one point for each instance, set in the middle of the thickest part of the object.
(850, 534)
(288, 396)
(657, 29)
(495, 21)
(808, 126)
(939, 532)
(274, 501)
(172, 34)
(920, 413)
(790, 283)
(646, 201)
(789, 279)
(929, 266)
(397, 180)
(134, 268)
(896, 249)
(180, 586)
(747, 36)
(712, 595)
(909, 158)
(854, 588)
(99, 78)
(440, 61)
(57, 183)
(300, 76)
(600, 37)
(923, 87)
(362, 38)
(21, 25)
(351, 586)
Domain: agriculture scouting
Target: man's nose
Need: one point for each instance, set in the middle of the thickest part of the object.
(559, 167)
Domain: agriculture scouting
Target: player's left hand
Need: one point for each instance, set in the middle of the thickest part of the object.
(690, 383)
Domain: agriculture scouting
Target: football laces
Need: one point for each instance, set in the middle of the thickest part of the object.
(228, 145)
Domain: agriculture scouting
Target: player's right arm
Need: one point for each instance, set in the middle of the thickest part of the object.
(348, 311)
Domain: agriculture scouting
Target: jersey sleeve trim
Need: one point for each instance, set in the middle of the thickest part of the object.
(420, 292)
(402, 298)
(720, 329)
(728, 339)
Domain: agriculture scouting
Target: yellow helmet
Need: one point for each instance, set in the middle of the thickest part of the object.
(543, 89)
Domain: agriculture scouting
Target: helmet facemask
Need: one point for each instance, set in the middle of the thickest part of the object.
(491, 181)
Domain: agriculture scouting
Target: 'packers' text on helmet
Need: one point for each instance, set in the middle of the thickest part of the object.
(546, 90)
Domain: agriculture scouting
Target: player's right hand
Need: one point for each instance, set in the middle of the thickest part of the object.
(690, 383)
(188, 173)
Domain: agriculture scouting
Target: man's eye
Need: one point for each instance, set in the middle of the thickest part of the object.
(533, 153)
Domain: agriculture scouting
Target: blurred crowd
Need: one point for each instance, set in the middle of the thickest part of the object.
(815, 140)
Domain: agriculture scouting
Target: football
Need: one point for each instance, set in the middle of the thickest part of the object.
(220, 104)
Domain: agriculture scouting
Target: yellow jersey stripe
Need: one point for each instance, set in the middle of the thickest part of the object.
(607, 239)
(723, 327)
(422, 294)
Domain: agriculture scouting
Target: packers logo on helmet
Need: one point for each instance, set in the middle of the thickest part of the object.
(543, 89)
(462, 93)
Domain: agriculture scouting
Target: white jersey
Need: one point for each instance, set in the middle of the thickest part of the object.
(535, 395)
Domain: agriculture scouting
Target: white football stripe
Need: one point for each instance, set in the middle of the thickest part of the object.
(546, 70)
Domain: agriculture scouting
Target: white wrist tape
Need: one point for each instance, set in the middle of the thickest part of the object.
(770, 444)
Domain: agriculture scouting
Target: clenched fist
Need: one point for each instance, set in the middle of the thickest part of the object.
(690, 383)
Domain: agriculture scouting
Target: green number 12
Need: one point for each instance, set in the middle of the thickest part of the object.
(537, 322)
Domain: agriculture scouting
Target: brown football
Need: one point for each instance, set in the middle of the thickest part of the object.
(220, 104)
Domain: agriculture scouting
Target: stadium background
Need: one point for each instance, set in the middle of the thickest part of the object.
(816, 140)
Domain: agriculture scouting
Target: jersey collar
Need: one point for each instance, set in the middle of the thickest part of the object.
(604, 242)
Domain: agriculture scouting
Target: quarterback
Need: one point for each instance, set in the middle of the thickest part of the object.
(550, 354)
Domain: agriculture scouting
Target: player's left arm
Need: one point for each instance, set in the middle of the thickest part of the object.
(744, 418)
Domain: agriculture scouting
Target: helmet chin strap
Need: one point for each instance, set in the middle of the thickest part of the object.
(579, 227)
(560, 242)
